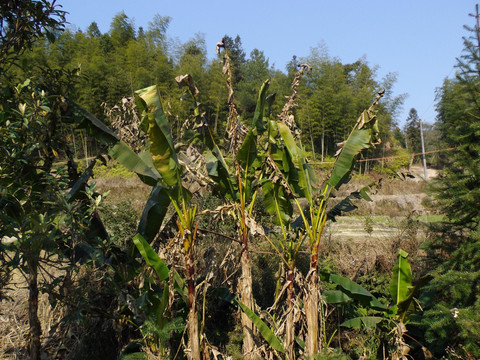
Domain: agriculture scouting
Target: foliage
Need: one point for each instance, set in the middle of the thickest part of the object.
(114, 64)
(412, 132)
(452, 299)
(24, 23)
(334, 95)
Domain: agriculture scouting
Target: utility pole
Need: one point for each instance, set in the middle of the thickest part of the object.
(423, 151)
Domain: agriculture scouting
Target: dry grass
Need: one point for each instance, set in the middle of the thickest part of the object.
(14, 327)
(121, 189)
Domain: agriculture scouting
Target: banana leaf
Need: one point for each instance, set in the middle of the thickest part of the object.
(247, 155)
(356, 142)
(161, 142)
(259, 114)
(363, 136)
(336, 297)
(81, 182)
(249, 160)
(357, 292)
(276, 202)
(217, 168)
(346, 205)
(409, 305)
(119, 150)
(135, 356)
(153, 213)
(401, 283)
(363, 321)
(305, 173)
(139, 164)
(75, 113)
(266, 332)
(269, 100)
(151, 257)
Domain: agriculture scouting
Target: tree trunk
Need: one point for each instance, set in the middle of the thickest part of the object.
(34, 345)
(312, 144)
(217, 115)
(323, 138)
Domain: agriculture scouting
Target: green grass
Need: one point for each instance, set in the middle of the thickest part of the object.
(112, 170)
(431, 218)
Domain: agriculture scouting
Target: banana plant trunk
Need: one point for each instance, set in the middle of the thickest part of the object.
(246, 297)
(290, 321)
(35, 326)
(193, 328)
(312, 302)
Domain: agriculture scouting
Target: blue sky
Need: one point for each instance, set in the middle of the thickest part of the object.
(417, 39)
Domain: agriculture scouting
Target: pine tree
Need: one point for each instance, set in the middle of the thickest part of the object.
(412, 132)
(452, 299)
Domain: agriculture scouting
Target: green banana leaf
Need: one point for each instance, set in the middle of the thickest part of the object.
(153, 213)
(401, 283)
(139, 164)
(161, 142)
(409, 305)
(75, 113)
(363, 321)
(346, 205)
(363, 136)
(119, 150)
(249, 159)
(247, 155)
(269, 100)
(356, 142)
(135, 356)
(151, 257)
(305, 173)
(266, 332)
(357, 292)
(277, 203)
(81, 182)
(259, 114)
(217, 168)
(336, 297)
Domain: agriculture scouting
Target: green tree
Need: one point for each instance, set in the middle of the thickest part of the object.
(255, 72)
(121, 30)
(93, 30)
(157, 30)
(237, 57)
(412, 132)
(452, 302)
(24, 23)
(216, 103)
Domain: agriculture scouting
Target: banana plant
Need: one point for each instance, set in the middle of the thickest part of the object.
(298, 182)
(158, 166)
(238, 180)
(402, 292)
(165, 161)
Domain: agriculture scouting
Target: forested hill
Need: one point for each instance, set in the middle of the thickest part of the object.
(109, 66)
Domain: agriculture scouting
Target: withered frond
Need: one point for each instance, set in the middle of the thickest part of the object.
(286, 115)
(126, 122)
